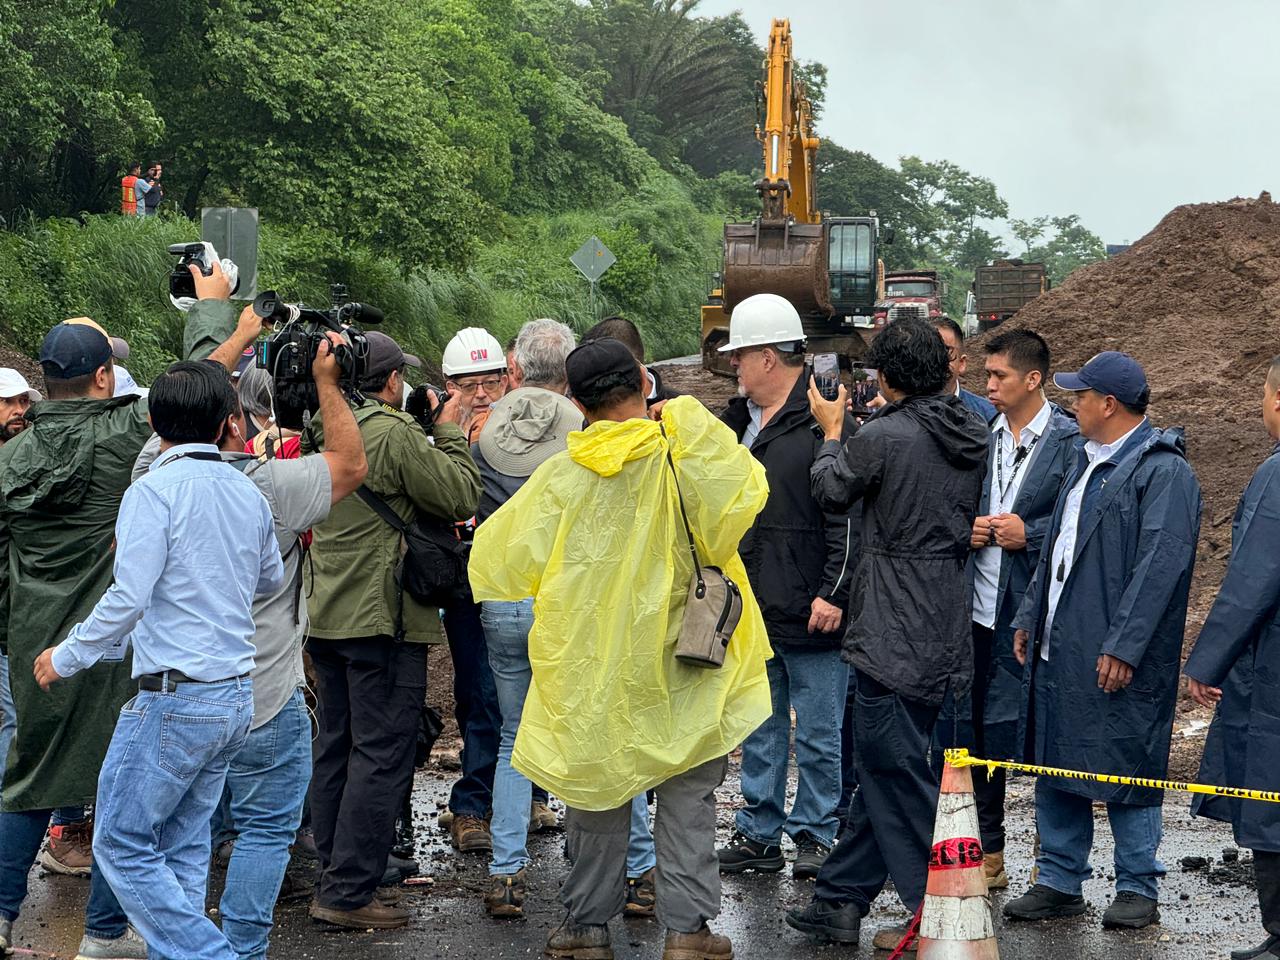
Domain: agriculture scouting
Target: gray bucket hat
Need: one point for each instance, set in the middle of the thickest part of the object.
(525, 428)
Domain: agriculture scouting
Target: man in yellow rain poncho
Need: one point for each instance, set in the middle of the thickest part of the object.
(595, 537)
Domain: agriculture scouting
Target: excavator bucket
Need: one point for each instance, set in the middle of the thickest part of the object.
(777, 256)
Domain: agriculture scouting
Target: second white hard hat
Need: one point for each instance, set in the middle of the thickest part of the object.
(764, 319)
(472, 350)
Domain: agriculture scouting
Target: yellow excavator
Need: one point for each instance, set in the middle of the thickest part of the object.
(828, 267)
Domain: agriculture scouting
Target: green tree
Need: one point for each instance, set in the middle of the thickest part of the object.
(1029, 231)
(70, 120)
(1072, 245)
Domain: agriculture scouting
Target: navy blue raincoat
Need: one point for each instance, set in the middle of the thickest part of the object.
(1239, 650)
(1126, 595)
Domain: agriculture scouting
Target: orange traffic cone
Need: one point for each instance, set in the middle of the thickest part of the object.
(955, 919)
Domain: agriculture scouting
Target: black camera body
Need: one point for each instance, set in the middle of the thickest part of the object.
(289, 352)
(181, 283)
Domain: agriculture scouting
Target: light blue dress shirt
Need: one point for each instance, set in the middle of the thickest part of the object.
(195, 543)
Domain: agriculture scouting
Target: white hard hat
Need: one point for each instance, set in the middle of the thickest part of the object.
(473, 350)
(763, 319)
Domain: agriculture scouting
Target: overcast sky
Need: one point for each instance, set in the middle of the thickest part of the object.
(1117, 110)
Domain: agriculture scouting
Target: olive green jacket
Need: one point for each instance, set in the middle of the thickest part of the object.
(351, 581)
(61, 482)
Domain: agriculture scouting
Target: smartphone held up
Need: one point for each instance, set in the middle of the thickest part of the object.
(826, 375)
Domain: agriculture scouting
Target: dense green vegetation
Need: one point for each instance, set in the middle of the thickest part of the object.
(440, 157)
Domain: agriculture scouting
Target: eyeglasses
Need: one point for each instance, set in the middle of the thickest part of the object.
(740, 352)
(490, 384)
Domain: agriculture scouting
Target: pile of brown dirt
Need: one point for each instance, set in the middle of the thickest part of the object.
(1197, 301)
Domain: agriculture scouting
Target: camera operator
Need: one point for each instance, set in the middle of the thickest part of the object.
(267, 780)
(367, 638)
(61, 482)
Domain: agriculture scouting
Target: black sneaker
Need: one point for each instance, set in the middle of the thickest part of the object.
(743, 853)
(1044, 903)
(1132, 911)
(825, 921)
(811, 854)
(1269, 947)
(397, 870)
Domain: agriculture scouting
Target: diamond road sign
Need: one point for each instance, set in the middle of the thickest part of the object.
(592, 259)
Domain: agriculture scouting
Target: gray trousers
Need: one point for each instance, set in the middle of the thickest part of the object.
(684, 832)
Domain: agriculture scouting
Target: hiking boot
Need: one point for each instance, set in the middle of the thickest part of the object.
(825, 921)
(579, 941)
(542, 817)
(1269, 947)
(811, 854)
(470, 835)
(1044, 903)
(641, 895)
(128, 946)
(69, 849)
(703, 945)
(742, 853)
(374, 915)
(1132, 911)
(222, 853)
(6, 936)
(888, 938)
(506, 895)
(993, 871)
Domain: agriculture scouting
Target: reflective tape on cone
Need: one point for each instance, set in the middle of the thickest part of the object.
(955, 918)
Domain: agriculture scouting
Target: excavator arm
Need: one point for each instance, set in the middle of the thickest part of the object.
(787, 136)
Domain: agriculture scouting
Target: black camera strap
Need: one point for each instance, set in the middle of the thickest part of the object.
(383, 509)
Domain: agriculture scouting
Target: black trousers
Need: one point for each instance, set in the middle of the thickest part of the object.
(370, 693)
(1266, 871)
(889, 828)
(988, 789)
(848, 775)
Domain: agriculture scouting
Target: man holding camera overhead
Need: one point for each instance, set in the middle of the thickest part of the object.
(367, 637)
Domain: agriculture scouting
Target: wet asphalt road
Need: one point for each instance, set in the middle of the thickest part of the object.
(1203, 916)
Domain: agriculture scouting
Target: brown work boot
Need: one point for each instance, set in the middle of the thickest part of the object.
(542, 817)
(703, 945)
(888, 938)
(993, 871)
(641, 895)
(579, 941)
(506, 895)
(470, 835)
(69, 849)
(374, 915)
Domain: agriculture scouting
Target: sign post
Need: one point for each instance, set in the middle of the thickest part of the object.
(592, 259)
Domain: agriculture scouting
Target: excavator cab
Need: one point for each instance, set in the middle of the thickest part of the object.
(851, 265)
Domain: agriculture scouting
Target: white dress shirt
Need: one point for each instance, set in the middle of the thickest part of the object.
(1064, 548)
(1007, 469)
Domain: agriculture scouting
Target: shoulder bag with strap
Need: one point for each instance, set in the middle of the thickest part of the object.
(714, 604)
(434, 566)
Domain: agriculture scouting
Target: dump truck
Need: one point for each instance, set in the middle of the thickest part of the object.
(1004, 287)
(909, 293)
(828, 267)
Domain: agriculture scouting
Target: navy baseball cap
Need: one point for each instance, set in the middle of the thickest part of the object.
(1112, 374)
(78, 347)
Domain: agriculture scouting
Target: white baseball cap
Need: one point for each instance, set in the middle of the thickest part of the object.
(125, 384)
(13, 384)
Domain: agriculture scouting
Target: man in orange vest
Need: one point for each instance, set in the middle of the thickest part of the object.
(128, 196)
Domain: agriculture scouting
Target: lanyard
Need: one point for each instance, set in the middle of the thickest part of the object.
(1019, 458)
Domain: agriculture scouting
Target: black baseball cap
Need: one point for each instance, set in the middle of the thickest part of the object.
(595, 359)
(78, 347)
(385, 355)
(1112, 374)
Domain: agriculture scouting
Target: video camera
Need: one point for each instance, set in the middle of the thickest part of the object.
(181, 283)
(288, 353)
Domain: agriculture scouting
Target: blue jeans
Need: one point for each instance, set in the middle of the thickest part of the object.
(475, 708)
(506, 630)
(160, 781)
(1065, 822)
(815, 683)
(21, 834)
(267, 783)
(8, 718)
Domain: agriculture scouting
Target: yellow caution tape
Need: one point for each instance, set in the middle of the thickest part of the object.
(959, 757)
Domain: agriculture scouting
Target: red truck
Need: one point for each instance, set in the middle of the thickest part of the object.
(909, 293)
